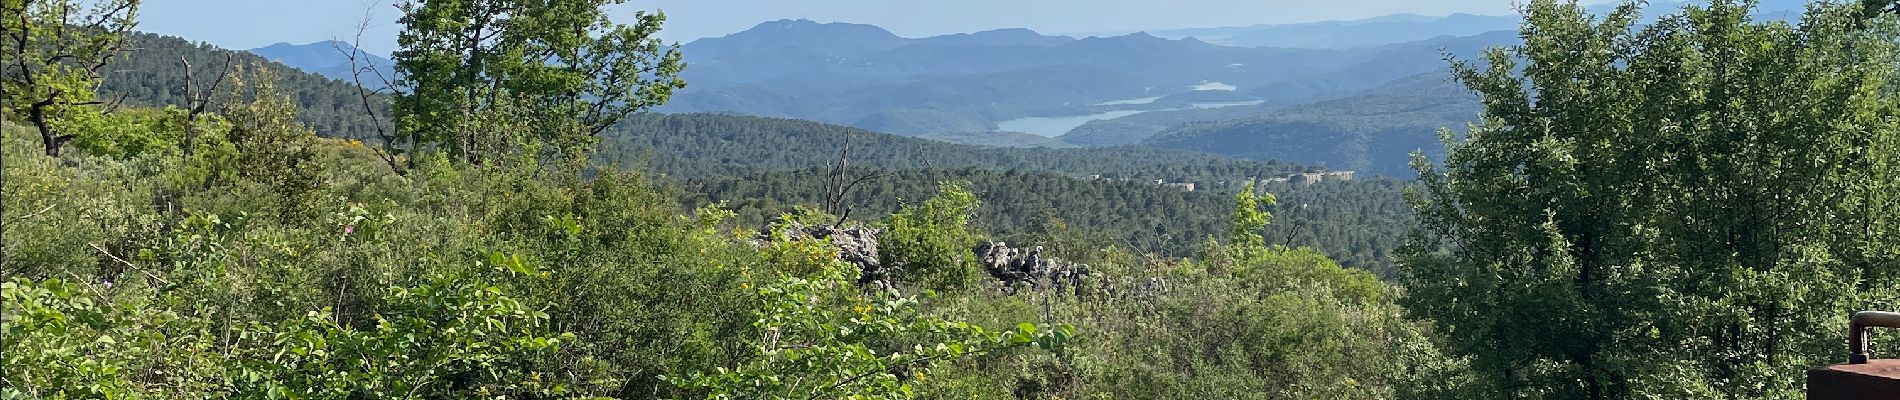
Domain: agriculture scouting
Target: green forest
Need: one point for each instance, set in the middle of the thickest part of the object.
(1683, 205)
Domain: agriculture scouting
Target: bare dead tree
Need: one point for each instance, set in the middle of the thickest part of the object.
(1295, 232)
(198, 98)
(361, 69)
(839, 182)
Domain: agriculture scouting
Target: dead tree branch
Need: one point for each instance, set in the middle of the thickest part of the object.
(198, 98)
(359, 67)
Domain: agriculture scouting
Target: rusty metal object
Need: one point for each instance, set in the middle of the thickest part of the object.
(1857, 332)
(1862, 377)
(1874, 380)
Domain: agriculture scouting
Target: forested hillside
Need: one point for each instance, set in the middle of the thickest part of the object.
(1348, 34)
(765, 166)
(686, 145)
(1357, 223)
(694, 145)
(149, 73)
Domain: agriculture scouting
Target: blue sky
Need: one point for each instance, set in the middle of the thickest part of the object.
(255, 23)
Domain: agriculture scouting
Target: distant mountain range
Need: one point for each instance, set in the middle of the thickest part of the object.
(1348, 34)
(864, 76)
(329, 58)
(1409, 27)
(1342, 94)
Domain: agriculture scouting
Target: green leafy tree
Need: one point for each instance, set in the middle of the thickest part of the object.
(555, 73)
(273, 149)
(54, 51)
(1249, 219)
(1688, 209)
(930, 242)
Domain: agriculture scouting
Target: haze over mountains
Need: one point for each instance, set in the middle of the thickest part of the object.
(1348, 34)
(867, 77)
(1093, 91)
(1339, 94)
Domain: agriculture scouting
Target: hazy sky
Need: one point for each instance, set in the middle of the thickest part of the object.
(255, 23)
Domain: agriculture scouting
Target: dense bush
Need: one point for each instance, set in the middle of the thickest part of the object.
(929, 242)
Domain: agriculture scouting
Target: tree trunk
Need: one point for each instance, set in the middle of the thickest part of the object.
(52, 140)
(191, 133)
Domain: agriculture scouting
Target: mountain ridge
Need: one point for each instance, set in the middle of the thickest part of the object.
(329, 58)
(864, 76)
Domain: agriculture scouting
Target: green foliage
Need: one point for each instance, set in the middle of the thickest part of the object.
(272, 148)
(65, 342)
(60, 343)
(929, 242)
(455, 335)
(472, 73)
(54, 51)
(232, 302)
(1355, 222)
(1277, 323)
(127, 134)
(53, 215)
(1358, 223)
(1688, 209)
(1249, 219)
(819, 336)
(758, 164)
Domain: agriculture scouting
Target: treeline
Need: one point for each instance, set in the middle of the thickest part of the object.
(703, 145)
(1358, 223)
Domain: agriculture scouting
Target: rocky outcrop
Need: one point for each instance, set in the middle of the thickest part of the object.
(1015, 266)
(856, 245)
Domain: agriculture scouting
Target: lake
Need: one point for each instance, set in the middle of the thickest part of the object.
(1144, 100)
(1057, 126)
